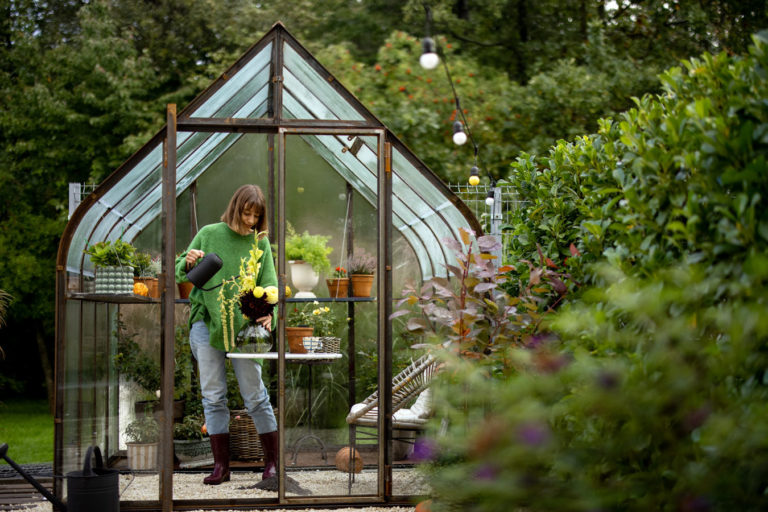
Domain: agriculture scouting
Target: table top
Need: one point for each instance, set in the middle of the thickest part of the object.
(288, 355)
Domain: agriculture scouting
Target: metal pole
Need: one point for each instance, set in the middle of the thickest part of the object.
(167, 310)
(496, 222)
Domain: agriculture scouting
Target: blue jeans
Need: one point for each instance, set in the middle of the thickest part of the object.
(213, 385)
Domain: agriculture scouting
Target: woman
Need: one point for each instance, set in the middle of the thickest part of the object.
(231, 239)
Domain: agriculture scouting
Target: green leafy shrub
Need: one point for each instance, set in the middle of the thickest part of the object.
(680, 177)
(649, 390)
(669, 415)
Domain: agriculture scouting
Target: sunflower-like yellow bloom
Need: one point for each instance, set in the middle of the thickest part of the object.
(271, 292)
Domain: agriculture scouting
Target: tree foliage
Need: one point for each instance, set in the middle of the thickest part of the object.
(84, 84)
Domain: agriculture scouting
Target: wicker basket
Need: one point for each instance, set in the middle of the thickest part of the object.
(331, 344)
(244, 441)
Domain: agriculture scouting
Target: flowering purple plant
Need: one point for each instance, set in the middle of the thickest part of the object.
(362, 263)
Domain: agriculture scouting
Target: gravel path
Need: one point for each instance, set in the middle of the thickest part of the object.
(318, 483)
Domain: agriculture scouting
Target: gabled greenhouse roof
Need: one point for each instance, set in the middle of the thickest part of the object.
(276, 85)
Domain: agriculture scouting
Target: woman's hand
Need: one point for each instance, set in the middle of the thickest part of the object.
(266, 322)
(192, 256)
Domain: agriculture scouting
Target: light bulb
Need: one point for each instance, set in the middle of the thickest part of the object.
(429, 58)
(474, 177)
(459, 137)
(489, 198)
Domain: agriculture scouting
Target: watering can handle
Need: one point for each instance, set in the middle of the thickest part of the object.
(87, 471)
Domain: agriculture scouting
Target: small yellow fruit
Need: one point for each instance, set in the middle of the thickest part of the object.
(474, 180)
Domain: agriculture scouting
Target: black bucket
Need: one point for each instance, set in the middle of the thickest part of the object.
(204, 270)
(94, 489)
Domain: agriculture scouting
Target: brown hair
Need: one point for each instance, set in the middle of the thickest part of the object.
(246, 197)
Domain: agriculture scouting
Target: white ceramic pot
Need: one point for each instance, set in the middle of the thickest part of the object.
(304, 278)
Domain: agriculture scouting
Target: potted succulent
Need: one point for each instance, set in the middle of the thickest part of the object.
(338, 284)
(114, 266)
(190, 442)
(307, 256)
(145, 271)
(361, 269)
(142, 435)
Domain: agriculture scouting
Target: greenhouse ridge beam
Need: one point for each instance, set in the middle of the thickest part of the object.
(239, 125)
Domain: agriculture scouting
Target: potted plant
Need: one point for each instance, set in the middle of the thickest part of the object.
(138, 365)
(325, 326)
(114, 266)
(308, 257)
(185, 287)
(142, 435)
(190, 442)
(298, 326)
(145, 271)
(361, 268)
(338, 284)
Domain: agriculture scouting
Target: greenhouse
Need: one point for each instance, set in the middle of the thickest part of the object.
(328, 168)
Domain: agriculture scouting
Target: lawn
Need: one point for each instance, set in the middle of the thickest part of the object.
(27, 427)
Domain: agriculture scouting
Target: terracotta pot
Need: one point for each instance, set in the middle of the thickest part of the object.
(295, 337)
(151, 284)
(361, 284)
(338, 287)
(185, 289)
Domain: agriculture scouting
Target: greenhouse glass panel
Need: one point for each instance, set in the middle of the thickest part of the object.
(324, 102)
(252, 73)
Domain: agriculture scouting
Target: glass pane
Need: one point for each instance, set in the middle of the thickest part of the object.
(321, 100)
(136, 333)
(237, 160)
(249, 78)
(319, 394)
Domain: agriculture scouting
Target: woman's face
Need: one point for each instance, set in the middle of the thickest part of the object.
(249, 218)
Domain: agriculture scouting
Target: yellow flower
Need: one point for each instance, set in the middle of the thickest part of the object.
(316, 312)
(258, 292)
(271, 292)
(288, 291)
(247, 283)
(326, 309)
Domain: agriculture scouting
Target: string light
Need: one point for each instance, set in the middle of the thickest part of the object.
(474, 178)
(459, 137)
(490, 197)
(429, 58)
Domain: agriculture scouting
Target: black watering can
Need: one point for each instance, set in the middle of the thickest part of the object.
(94, 489)
(205, 270)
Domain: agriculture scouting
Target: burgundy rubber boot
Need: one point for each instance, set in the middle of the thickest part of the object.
(220, 448)
(269, 445)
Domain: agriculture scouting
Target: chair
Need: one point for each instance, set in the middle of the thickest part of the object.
(410, 383)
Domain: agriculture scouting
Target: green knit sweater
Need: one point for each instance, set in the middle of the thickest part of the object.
(231, 247)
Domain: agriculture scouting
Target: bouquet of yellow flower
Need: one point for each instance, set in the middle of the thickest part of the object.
(254, 301)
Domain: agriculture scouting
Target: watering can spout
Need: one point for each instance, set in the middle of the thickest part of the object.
(42, 490)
